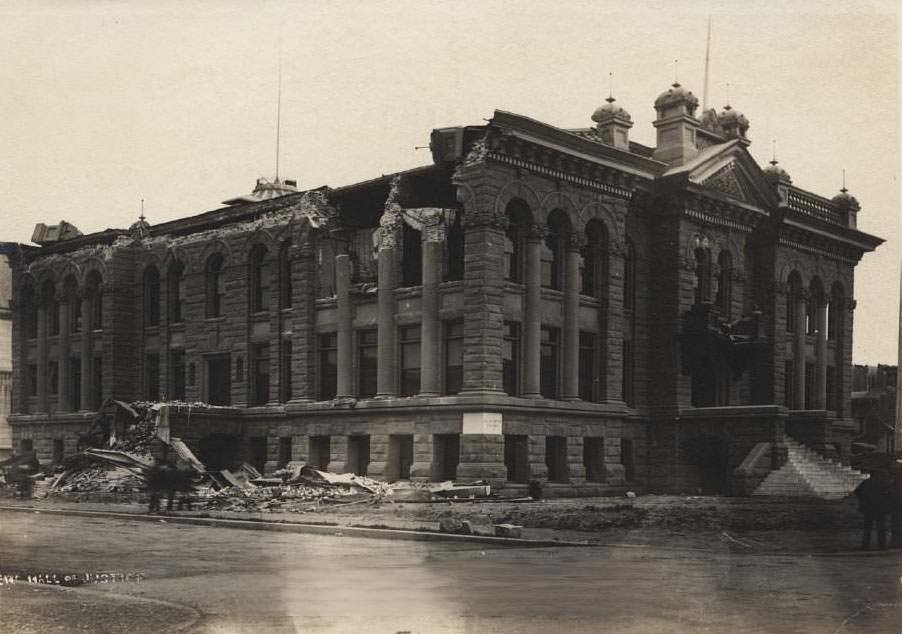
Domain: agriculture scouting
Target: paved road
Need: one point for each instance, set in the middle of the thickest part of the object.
(230, 581)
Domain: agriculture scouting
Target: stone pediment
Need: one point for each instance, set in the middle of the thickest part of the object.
(729, 169)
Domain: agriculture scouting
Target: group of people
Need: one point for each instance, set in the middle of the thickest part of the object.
(164, 478)
(880, 499)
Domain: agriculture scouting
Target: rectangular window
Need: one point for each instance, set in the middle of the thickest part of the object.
(593, 458)
(367, 362)
(58, 451)
(75, 377)
(454, 356)
(358, 454)
(285, 288)
(328, 366)
(32, 379)
(53, 377)
(152, 376)
(410, 360)
(285, 376)
(27, 444)
(548, 365)
(284, 451)
(588, 367)
(556, 458)
(177, 375)
(260, 374)
(98, 382)
(510, 359)
(320, 452)
(219, 380)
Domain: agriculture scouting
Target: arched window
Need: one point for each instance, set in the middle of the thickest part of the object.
(151, 296)
(94, 291)
(594, 260)
(724, 299)
(519, 216)
(259, 279)
(411, 256)
(30, 312)
(836, 332)
(702, 275)
(215, 285)
(553, 250)
(454, 269)
(52, 307)
(176, 291)
(816, 299)
(285, 288)
(792, 299)
(70, 291)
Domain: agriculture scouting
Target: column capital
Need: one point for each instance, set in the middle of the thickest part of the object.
(483, 217)
(575, 241)
(536, 231)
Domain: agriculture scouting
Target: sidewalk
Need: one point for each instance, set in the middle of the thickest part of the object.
(726, 525)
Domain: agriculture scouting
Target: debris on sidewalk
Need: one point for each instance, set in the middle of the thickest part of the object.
(508, 530)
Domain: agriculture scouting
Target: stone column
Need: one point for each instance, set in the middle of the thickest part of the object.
(43, 403)
(431, 327)
(483, 295)
(87, 350)
(575, 460)
(344, 310)
(798, 353)
(303, 343)
(386, 373)
(571, 319)
(532, 320)
(422, 468)
(338, 452)
(65, 382)
(820, 350)
(538, 469)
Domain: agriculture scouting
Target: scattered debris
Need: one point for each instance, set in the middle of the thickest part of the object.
(508, 530)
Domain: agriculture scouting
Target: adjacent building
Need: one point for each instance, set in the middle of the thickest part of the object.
(538, 303)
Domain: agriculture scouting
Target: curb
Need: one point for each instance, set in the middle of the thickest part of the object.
(310, 529)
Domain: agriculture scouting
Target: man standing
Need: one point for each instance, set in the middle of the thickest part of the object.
(873, 502)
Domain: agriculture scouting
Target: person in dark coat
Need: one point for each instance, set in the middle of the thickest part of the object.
(874, 498)
(155, 481)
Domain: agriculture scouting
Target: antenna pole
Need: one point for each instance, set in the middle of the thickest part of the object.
(279, 106)
(707, 62)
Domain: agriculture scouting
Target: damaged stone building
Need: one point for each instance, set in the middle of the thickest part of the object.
(538, 303)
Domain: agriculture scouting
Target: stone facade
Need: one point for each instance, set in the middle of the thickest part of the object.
(542, 304)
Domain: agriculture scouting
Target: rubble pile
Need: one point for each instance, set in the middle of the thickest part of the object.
(101, 479)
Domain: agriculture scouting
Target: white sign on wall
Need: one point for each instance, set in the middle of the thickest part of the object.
(488, 423)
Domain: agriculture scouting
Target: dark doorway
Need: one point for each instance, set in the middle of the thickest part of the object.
(556, 458)
(400, 456)
(257, 446)
(219, 451)
(445, 456)
(593, 458)
(219, 383)
(358, 454)
(710, 456)
(320, 452)
(516, 457)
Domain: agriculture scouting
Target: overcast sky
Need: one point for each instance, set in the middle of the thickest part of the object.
(105, 103)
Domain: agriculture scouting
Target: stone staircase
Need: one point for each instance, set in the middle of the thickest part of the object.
(808, 474)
